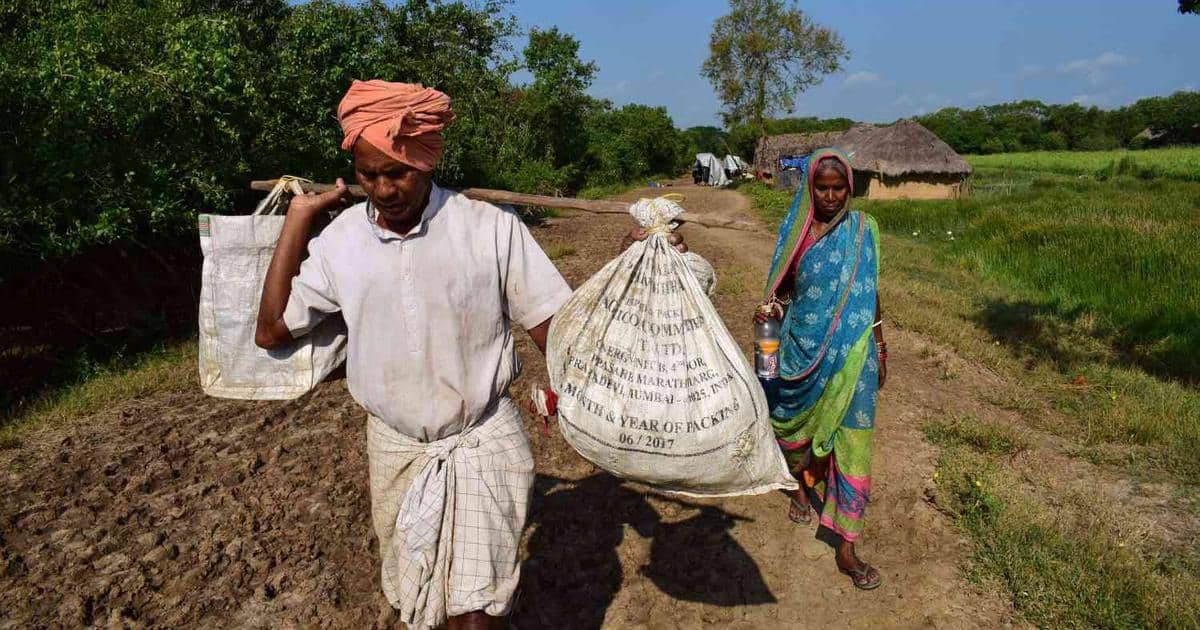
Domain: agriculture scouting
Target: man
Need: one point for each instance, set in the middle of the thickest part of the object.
(428, 282)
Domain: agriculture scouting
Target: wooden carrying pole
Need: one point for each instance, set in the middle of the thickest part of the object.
(595, 206)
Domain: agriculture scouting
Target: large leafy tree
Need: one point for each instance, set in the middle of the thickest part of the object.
(557, 95)
(763, 53)
(541, 136)
(632, 141)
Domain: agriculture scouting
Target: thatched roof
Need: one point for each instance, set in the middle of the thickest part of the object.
(766, 154)
(894, 150)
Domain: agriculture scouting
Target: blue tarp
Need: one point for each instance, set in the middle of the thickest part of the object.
(793, 161)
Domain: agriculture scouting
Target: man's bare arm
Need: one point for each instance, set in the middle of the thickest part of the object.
(303, 211)
(539, 333)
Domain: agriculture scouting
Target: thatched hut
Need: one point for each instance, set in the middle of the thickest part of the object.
(903, 160)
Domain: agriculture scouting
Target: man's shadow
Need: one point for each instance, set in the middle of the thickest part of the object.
(574, 572)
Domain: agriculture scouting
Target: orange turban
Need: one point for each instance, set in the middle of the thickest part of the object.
(404, 120)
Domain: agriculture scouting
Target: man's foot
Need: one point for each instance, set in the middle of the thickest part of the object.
(863, 575)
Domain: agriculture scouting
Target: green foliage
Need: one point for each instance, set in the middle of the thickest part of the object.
(553, 109)
(122, 130)
(1036, 126)
(94, 106)
(763, 53)
(706, 139)
(125, 118)
(771, 204)
(635, 140)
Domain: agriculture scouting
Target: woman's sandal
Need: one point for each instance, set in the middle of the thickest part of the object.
(799, 512)
(866, 578)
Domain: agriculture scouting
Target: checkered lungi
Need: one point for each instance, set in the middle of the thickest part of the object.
(449, 516)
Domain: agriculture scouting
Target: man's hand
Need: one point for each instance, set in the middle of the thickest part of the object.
(638, 234)
(309, 205)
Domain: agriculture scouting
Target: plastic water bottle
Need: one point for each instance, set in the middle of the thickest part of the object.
(766, 348)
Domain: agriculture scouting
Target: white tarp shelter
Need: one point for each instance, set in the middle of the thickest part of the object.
(716, 169)
(736, 165)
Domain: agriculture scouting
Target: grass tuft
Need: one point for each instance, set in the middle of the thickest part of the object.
(984, 436)
(559, 250)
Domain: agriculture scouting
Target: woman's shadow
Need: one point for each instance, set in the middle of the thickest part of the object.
(574, 572)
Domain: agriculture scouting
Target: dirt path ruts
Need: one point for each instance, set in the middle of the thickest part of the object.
(184, 511)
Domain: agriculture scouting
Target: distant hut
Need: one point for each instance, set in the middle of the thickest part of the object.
(771, 148)
(900, 161)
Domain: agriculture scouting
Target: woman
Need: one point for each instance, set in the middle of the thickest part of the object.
(832, 358)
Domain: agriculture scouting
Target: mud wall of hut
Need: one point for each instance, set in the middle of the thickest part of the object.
(914, 186)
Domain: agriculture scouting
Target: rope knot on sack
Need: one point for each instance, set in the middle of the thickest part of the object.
(655, 215)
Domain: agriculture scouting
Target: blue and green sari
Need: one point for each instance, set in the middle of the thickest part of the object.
(824, 400)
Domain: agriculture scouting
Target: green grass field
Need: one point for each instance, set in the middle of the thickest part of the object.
(1048, 279)
(1116, 259)
(1169, 163)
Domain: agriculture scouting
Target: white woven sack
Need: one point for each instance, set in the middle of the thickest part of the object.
(237, 251)
(651, 386)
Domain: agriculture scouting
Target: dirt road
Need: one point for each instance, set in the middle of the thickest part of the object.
(180, 510)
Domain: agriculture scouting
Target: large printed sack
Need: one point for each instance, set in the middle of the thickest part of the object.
(237, 251)
(651, 386)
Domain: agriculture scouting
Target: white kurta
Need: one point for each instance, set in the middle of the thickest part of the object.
(430, 356)
(429, 314)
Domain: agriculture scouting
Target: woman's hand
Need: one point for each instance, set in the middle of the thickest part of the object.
(761, 315)
(880, 344)
(638, 234)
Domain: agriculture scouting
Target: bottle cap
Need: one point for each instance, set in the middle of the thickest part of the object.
(771, 307)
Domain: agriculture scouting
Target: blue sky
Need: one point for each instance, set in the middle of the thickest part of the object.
(907, 57)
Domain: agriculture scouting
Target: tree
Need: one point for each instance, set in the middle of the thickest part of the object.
(631, 142)
(706, 139)
(1036, 126)
(1189, 6)
(764, 53)
(557, 98)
